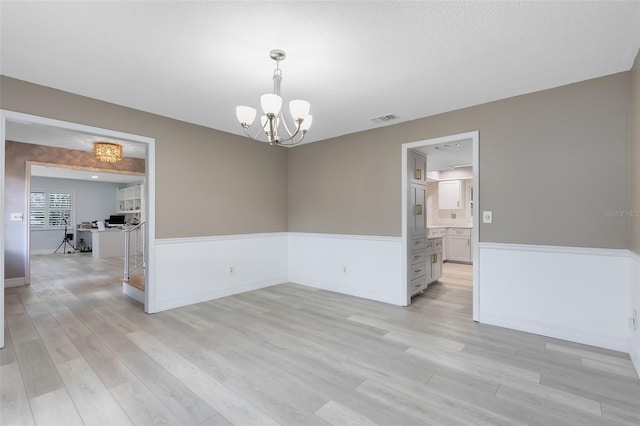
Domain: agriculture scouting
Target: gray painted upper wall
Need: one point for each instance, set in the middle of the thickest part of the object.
(207, 182)
(634, 157)
(552, 164)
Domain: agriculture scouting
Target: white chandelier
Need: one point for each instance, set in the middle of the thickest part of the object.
(272, 119)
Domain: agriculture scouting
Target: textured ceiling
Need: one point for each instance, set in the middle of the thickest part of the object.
(195, 61)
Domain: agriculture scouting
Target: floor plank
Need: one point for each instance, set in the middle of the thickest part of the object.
(15, 403)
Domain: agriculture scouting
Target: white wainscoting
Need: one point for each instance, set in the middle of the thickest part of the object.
(193, 270)
(634, 340)
(373, 264)
(575, 294)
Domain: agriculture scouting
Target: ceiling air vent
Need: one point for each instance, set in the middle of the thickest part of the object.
(384, 118)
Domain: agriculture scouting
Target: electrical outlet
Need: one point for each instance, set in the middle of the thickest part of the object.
(487, 216)
(344, 269)
(231, 270)
(16, 217)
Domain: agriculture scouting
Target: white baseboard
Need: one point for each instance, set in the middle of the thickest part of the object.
(42, 251)
(568, 293)
(193, 270)
(373, 264)
(14, 282)
(634, 339)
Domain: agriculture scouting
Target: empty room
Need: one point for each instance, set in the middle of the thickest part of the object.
(351, 212)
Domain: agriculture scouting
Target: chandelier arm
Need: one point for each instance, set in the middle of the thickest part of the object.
(285, 143)
(257, 135)
(284, 123)
(297, 132)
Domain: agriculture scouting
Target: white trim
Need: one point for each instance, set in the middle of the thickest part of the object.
(475, 236)
(208, 239)
(570, 293)
(348, 236)
(14, 282)
(41, 251)
(191, 299)
(587, 251)
(133, 292)
(634, 298)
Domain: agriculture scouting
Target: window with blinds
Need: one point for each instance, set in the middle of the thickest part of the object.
(51, 209)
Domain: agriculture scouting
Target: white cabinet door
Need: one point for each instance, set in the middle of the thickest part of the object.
(417, 215)
(459, 248)
(449, 195)
(417, 168)
(436, 267)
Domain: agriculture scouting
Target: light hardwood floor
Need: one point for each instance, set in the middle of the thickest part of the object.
(80, 352)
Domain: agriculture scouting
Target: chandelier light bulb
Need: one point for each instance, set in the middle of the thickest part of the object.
(271, 104)
(299, 108)
(306, 123)
(245, 114)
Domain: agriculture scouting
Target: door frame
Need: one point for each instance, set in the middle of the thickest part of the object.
(149, 195)
(474, 136)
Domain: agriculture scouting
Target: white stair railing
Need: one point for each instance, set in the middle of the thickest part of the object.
(138, 249)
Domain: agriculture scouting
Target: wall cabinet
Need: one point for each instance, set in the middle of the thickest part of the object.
(419, 264)
(459, 245)
(417, 220)
(417, 167)
(450, 195)
(129, 200)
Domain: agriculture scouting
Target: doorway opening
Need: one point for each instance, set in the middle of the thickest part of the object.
(17, 256)
(454, 163)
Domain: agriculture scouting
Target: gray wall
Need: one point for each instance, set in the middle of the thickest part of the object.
(93, 201)
(551, 164)
(634, 157)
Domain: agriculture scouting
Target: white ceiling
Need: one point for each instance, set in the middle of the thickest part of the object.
(353, 60)
(446, 156)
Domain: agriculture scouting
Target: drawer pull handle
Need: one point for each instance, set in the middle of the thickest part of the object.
(417, 285)
(417, 270)
(418, 174)
(418, 209)
(417, 257)
(418, 242)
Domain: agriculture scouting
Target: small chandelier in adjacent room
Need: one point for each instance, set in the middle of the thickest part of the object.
(272, 123)
(108, 152)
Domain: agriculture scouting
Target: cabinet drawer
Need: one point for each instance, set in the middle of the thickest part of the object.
(436, 232)
(417, 257)
(458, 231)
(417, 270)
(418, 243)
(417, 285)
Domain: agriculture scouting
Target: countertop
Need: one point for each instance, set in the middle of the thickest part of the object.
(449, 226)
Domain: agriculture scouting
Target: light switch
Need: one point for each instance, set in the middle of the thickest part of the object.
(16, 217)
(487, 216)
